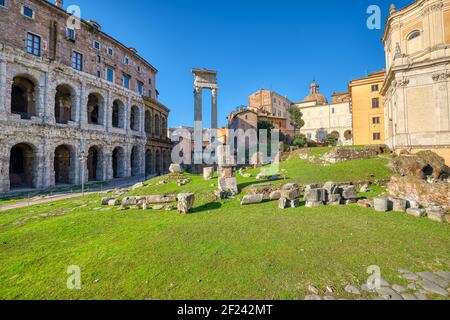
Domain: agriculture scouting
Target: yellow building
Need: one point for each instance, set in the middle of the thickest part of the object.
(367, 109)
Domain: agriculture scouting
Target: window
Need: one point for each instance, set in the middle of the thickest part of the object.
(333, 111)
(99, 59)
(97, 45)
(110, 75)
(28, 12)
(140, 87)
(375, 103)
(377, 136)
(34, 44)
(149, 93)
(110, 51)
(413, 35)
(139, 68)
(3, 3)
(126, 81)
(376, 120)
(374, 88)
(414, 43)
(99, 74)
(77, 61)
(126, 60)
(150, 81)
(71, 34)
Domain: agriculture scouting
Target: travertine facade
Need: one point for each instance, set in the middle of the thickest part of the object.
(368, 109)
(322, 118)
(417, 100)
(71, 101)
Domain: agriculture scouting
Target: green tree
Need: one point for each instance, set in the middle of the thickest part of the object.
(265, 125)
(332, 139)
(299, 140)
(295, 117)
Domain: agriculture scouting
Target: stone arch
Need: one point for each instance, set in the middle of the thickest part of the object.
(95, 108)
(148, 122)
(348, 135)
(148, 162)
(64, 165)
(134, 161)
(157, 125)
(24, 92)
(118, 163)
(158, 162)
(118, 114)
(134, 118)
(95, 164)
(22, 166)
(65, 104)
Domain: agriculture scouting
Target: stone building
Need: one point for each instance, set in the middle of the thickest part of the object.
(73, 100)
(322, 118)
(417, 100)
(274, 108)
(368, 109)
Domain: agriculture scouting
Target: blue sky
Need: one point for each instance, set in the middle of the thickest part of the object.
(280, 45)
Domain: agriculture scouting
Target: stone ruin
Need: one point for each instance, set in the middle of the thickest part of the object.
(337, 155)
(422, 180)
(227, 181)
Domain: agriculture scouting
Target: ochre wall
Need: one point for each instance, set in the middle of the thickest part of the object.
(363, 128)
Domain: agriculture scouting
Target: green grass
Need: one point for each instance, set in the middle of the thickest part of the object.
(221, 251)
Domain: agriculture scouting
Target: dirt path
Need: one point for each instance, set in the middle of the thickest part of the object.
(63, 196)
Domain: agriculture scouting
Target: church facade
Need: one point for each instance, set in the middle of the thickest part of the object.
(417, 86)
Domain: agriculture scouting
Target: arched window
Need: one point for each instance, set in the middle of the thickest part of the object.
(414, 42)
(413, 35)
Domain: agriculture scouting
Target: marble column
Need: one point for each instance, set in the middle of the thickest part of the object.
(198, 126)
(214, 109)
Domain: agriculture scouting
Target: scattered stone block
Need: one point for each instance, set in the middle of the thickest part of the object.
(185, 202)
(291, 186)
(436, 216)
(157, 199)
(290, 194)
(283, 203)
(433, 288)
(295, 203)
(252, 199)
(275, 195)
(313, 297)
(398, 205)
(114, 202)
(105, 201)
(175, 168)
(129, 201)
(313, 289)
(381, 204)
(349, 192)
(208, 173)
(416, 212)
(364, 188)
(334, 199)
(158, 207)
(315, 195)
(364, 203)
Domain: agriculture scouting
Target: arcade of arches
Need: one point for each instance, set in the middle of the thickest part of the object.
(27, 164)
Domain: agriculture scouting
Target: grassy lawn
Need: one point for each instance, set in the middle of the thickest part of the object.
(221, 251)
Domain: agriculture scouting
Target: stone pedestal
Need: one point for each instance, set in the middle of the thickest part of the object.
(185, 202)
(227, 182)
(208, 173)
(381, 204)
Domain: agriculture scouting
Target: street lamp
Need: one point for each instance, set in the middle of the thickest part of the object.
(82, 160)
